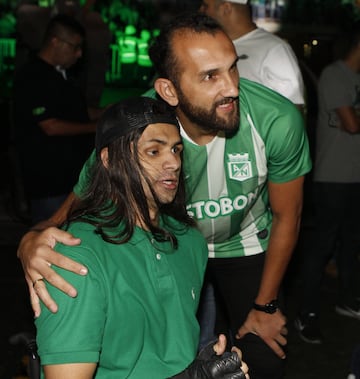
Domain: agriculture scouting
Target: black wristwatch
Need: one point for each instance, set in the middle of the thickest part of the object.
(267, 308)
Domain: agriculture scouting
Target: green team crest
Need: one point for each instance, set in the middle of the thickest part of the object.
(239, 166)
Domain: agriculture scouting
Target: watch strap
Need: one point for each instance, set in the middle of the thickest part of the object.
(270, 308)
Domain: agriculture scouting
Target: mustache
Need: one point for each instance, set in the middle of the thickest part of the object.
(227, 100)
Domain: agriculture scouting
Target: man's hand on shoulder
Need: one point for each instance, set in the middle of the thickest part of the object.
(36, 254)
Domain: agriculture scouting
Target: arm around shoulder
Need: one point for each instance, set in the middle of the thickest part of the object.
(36, 254)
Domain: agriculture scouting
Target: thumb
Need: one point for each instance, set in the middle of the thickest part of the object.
(58, 235)
(220, 345)
(241, 332)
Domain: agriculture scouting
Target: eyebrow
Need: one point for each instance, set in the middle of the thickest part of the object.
(214, 70)
(163, 142)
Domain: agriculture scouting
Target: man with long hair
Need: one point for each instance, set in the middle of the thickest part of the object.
(135, 315)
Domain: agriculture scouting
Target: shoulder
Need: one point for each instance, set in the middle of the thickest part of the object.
(264, 110)
(90, 241)
(189, 234)
(261, 34)
(256, 96)
(335, 68)
(334, 75)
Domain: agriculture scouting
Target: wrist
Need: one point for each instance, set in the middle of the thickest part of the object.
(42, 225)
(270, 307)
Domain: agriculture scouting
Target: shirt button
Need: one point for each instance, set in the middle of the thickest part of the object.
(158, 256)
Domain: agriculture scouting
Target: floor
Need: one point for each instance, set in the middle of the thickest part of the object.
(329, 360)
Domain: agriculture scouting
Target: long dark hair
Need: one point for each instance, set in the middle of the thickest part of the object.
(115, 198)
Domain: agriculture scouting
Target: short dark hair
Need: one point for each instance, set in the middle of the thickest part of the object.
(161, 51)
(62, 24)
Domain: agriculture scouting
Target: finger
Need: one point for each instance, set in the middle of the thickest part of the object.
(276, 348)
(284, 331)
(281, 340)
(57, 235)
(35, 303)
(66, 263)
(34, 299)
(244, 367)
(220, 345)
(42, 294)
(56, 280)
(241, 332)
(237, 351)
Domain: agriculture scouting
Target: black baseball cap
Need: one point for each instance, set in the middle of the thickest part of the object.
(129, 114)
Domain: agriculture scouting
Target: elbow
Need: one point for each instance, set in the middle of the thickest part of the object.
(354, 130)
(49, 127)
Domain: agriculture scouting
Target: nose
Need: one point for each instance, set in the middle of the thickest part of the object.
(231, 85)
(172, 162)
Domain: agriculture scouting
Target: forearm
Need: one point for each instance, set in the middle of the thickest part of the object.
(55, 220)
(284, 235)
(57, 127)
(58, 217)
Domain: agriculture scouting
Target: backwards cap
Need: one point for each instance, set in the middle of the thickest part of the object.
(129, 114)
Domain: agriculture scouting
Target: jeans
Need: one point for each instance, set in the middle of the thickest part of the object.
(207, 315)
(235, 284)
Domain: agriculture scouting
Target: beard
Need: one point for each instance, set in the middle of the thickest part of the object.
(208, 120)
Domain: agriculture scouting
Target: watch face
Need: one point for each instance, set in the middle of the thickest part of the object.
(271, 308)
(268, 308)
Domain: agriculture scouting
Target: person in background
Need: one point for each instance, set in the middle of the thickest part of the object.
(336, 186)
(243, 186)
(146, 262)
(263, 57)
(54, 129)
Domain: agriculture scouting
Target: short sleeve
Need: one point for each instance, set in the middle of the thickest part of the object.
(287, 147)
(85, 175)
(74, 333)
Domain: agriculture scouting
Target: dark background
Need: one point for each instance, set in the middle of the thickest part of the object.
(314, 29)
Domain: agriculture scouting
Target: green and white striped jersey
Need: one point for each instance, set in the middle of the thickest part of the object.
(226, 180)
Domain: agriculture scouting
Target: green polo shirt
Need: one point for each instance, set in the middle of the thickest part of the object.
(135, 313)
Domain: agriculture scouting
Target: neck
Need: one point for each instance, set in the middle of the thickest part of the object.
(154, 217)
(197, 134)
(240, 30)
(238, 23)
(46, 56)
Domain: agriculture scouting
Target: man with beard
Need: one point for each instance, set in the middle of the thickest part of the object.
(243, 186)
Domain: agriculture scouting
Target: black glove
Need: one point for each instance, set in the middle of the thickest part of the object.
(208, 365)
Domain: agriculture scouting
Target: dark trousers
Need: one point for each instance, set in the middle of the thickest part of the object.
(336, 232)
(236, 282)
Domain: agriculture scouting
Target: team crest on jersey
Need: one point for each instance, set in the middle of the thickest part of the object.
(239, 166)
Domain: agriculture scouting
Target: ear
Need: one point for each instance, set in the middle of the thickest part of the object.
(226, 7)
(104, 155)
(166, 90)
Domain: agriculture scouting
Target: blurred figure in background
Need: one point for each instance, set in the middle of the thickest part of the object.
(336, 191)
(53, 129)
(263, 57)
